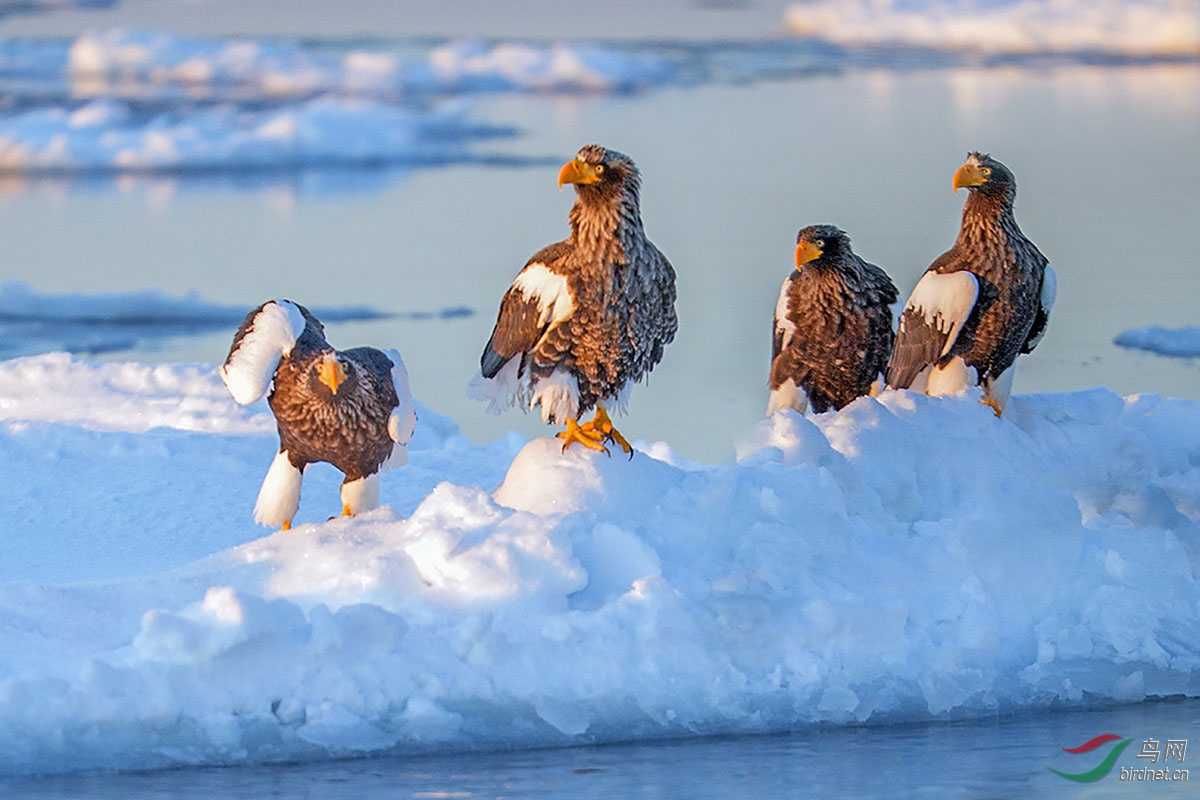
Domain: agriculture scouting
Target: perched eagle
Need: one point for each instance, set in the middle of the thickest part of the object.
(981, 303)
(587, 316)
(351, 409)
(833, 325)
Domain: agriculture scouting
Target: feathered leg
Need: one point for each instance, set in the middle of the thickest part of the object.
(279, 496)
(360, 495)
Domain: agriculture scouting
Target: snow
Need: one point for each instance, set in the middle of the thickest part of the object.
(1128, 27)
(1178, 342)
(906, 558)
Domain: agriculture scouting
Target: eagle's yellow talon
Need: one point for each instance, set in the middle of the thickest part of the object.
(583, 435)
(287, 525)
(346, 512)
(602, 425)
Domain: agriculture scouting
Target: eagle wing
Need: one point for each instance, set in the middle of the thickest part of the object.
(264, 338)
(538, 299)
(787, 371)
(403, 420)
(1045, 304)
(939, 306)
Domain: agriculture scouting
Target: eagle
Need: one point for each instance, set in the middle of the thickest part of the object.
(982, 303)
(833, 325)
(352, 409)
(586, 317)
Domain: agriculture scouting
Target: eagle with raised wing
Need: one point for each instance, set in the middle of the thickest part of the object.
(352, 409)
(982, 303)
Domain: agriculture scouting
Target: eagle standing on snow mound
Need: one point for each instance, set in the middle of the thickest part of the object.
(351, 409)
(981, 303)
(587, 316)
(833, 325)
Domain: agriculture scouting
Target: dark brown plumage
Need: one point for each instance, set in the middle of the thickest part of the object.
(981, 303)
(833, 325)
(351, 409)
(588, 316)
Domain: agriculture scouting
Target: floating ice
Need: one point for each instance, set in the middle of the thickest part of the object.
(906, 558)
(1178, 342)
(1128, 27)
(32, 321)
(1117, 26)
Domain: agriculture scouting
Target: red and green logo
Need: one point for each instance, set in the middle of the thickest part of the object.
(1104, 767)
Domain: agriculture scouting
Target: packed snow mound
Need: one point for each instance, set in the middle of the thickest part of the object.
(1129, 27)
(1176, 342)
(906, 558)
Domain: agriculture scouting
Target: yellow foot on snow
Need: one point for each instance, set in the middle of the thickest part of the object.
(594, 434)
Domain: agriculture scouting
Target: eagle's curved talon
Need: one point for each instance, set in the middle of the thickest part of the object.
(602, 426)
(583, 435)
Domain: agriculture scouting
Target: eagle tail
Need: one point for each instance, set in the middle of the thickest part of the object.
(268, 333)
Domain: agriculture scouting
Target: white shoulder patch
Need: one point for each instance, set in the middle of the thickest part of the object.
(550, 289)
(403, 419)
(248, 370)
(783, 326)
(1049, 289)
(945, 301)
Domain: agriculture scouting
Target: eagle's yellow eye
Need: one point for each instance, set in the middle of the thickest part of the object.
(599, 169)
(987, 172)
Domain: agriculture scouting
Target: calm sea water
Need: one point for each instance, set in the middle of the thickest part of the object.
(1105, 160)
(975, 760)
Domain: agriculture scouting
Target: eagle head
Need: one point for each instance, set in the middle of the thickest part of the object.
(820, 241)
(598, 169)
(332, 371)
(985, 175)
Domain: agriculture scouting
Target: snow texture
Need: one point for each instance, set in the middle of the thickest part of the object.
(906, 558)
(1178, 342)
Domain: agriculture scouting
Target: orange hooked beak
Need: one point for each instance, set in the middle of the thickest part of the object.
(969, 175)
(332, 373)
(576, 171)
(806, 252)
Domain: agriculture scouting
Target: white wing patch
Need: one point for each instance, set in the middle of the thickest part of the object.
(783, 326)
(273, 333)
(550, 289)
(403, 419)
(945, 301)
(1049, 289)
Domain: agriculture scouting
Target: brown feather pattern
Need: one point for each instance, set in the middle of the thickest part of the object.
(621, 286)
(1010, 270)
(348, 429)
(838, 312)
